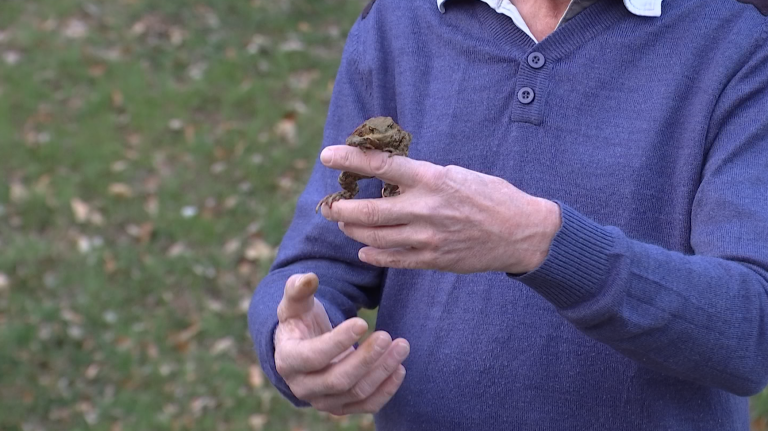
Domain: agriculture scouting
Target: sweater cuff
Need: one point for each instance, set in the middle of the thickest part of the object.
(577, 264)
(266, 354)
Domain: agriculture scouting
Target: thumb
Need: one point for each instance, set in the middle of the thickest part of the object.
(298, 297)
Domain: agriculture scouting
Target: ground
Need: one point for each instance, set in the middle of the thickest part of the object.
(150, 157)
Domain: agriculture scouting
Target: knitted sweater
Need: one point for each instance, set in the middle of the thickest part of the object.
(650, 311)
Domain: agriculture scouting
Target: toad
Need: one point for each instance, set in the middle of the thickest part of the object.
(379, 133)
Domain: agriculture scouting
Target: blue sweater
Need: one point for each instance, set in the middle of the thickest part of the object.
(651, 311)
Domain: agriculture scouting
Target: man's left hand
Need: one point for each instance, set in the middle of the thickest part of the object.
(446, 218)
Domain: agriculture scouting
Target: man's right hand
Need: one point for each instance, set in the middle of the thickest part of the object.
(320, 364)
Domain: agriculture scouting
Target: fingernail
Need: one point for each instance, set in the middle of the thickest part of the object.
(341, 225)
(400, 376)
(359, 330)
(326, 156)
(381, 344)
(402, 350)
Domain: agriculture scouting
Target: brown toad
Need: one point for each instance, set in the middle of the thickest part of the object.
(379, 133)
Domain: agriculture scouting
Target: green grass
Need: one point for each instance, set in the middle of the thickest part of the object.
(147, 152)
(178, 104)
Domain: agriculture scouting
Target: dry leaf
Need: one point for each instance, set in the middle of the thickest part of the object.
(80, 209)
(75, 29)
(176, 250)
(258, 421)
(201, 403)
(223, 345)
(117, 98)
(189, 133)
(70, 316)
(18, 191)
(286, 129)
(175, 124)
(92, 371)
(143, 233)
(11, 58)
(259, 250)
(110, 265)
(97, 70)
(232, 246)
(120, 190)
(5, 282)
(255, 376)
(152, 205)
(183, 337)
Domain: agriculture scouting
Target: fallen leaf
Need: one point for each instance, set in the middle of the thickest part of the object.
(80, 209)
(18, 191)
(177, 249)
(189, 211)
(226, 344)
(70, 316)
(119, 166)
(175, 124)
(117, 98)
(152, 205)
(143, 232)
(120, 190)
(232, 246)
(97, 70)
(255, 376)
(11, 58)
(5, 282)
(258, 421)
(183, 337)
(201, 403)
(286, 129)
(110, 265)
(92, 371)
(75, 29)
(259, 250)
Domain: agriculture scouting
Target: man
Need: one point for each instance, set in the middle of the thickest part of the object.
(581, 242)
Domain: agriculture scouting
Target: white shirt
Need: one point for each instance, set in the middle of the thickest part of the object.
(637, 7)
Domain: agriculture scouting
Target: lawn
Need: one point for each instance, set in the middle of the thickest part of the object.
(151, 153)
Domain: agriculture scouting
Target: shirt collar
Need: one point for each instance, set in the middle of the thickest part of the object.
(637, 7)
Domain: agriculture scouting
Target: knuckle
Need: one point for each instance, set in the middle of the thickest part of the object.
(282, 368)
(338, 384)
(380, 165)
(370, 213)
(360, 391)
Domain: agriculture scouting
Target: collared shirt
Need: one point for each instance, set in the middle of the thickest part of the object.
(651, 8)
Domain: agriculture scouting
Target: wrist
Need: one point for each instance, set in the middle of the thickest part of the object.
(546, 221)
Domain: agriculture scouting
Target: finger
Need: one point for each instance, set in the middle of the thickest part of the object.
(339, 378)
(405, 258)
(389, 363)
(402, 171)
(304, 356)
(371, 212)
(380, 397)
(387, 237)
(298, 297)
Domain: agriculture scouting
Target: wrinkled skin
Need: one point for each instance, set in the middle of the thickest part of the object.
(379, 133)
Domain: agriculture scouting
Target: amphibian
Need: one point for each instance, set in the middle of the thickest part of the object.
(379, 133)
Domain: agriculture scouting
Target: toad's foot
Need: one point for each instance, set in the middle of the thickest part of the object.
(390, 190)
(394, 152)
(330, 199)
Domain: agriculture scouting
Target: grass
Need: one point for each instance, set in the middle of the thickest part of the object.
(151, 153)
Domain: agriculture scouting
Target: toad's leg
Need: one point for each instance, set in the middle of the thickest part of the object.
(348, 182)
(390, 190)
(394, 152)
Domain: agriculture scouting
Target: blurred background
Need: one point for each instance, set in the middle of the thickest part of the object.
(150, 156)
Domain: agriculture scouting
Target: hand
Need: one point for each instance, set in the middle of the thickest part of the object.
(320, 364)
(446, 218)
